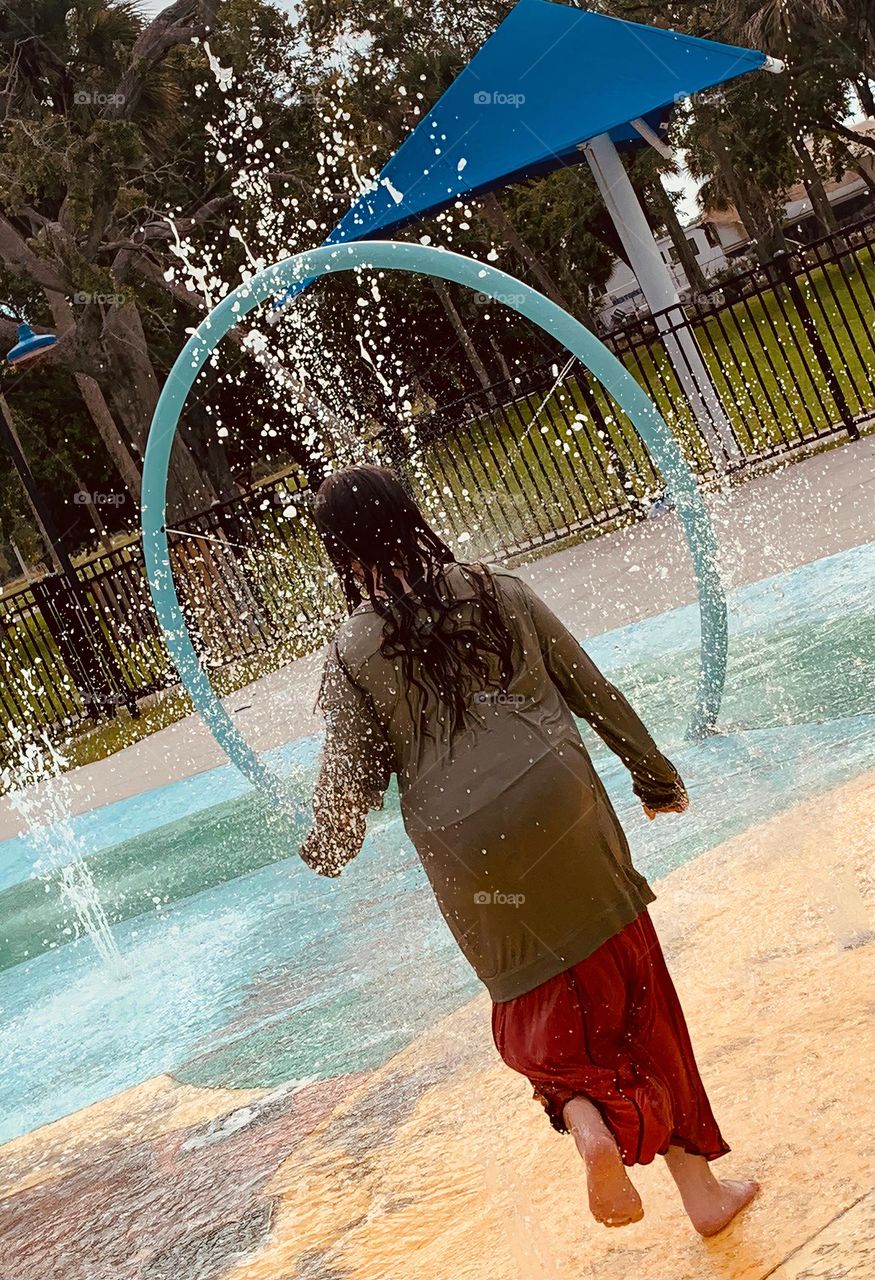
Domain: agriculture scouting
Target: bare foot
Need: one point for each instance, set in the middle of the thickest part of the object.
(710, 1204)
(718, 1209)
(613, 1200)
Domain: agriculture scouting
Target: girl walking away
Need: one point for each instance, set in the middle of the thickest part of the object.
(458, 679)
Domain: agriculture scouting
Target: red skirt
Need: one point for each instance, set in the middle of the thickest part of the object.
(611, 1029)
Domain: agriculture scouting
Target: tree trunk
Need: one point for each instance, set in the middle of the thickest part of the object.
(527, 256)
(93, 398)
(864, 165)
(132, 388)
(199, 431)
(866, 96)
(99, 526)
(766, 237)
(665, 211)
(502, 363)
(813, 183)
(582, 308)
(464, 337)
(586, 317)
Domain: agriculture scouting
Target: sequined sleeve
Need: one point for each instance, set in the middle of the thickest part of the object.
(355, 770)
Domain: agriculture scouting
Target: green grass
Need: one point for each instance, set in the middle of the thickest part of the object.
(272, 581)
(536, 467)
(541, 464)
(760, 359)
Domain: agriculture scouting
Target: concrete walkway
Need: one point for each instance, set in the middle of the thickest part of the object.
(767, 526)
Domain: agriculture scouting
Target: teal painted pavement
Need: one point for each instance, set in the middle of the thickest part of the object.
(251, 971)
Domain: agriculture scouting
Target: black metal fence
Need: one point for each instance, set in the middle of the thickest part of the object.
(501, 471)
(789, 347)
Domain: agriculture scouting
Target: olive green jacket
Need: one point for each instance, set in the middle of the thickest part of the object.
(529, 864)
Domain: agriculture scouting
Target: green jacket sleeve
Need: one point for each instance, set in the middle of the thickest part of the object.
(592, 697)
(355, 770)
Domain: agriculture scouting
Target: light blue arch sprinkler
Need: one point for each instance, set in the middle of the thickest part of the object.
(554, 86)
(394, 255)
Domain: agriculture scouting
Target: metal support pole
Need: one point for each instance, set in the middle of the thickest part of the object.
(662, 296)
(9, 437)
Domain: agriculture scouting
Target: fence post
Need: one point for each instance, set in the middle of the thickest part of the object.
(83, 647)
(783, 275)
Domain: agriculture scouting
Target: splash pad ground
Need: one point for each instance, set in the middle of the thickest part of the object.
(438, 1164)
(295, 1083)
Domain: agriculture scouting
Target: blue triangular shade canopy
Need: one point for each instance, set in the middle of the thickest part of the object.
(548, 79)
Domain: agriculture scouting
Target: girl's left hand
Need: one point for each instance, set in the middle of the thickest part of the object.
(679, 806)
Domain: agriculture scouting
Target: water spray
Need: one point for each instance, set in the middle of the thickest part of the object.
(291, 274)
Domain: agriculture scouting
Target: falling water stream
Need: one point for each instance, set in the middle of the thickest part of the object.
(40, 791)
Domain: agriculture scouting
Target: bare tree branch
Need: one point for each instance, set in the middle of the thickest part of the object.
(20, 258)
(173, 26)
(186, 297)
(842, 131)
(163, 230)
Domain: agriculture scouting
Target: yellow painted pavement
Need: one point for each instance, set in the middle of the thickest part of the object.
(767, 940)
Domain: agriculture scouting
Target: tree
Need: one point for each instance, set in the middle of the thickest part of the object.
(148, 167)
(663, 210)
(826, 45)
(86, 89)
(736, 141)
(108, 180)
(755, 137)
(819, 69)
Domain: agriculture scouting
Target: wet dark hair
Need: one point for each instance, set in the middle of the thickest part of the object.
(365, 514)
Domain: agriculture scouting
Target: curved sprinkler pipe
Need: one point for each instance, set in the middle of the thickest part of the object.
(427, 260)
